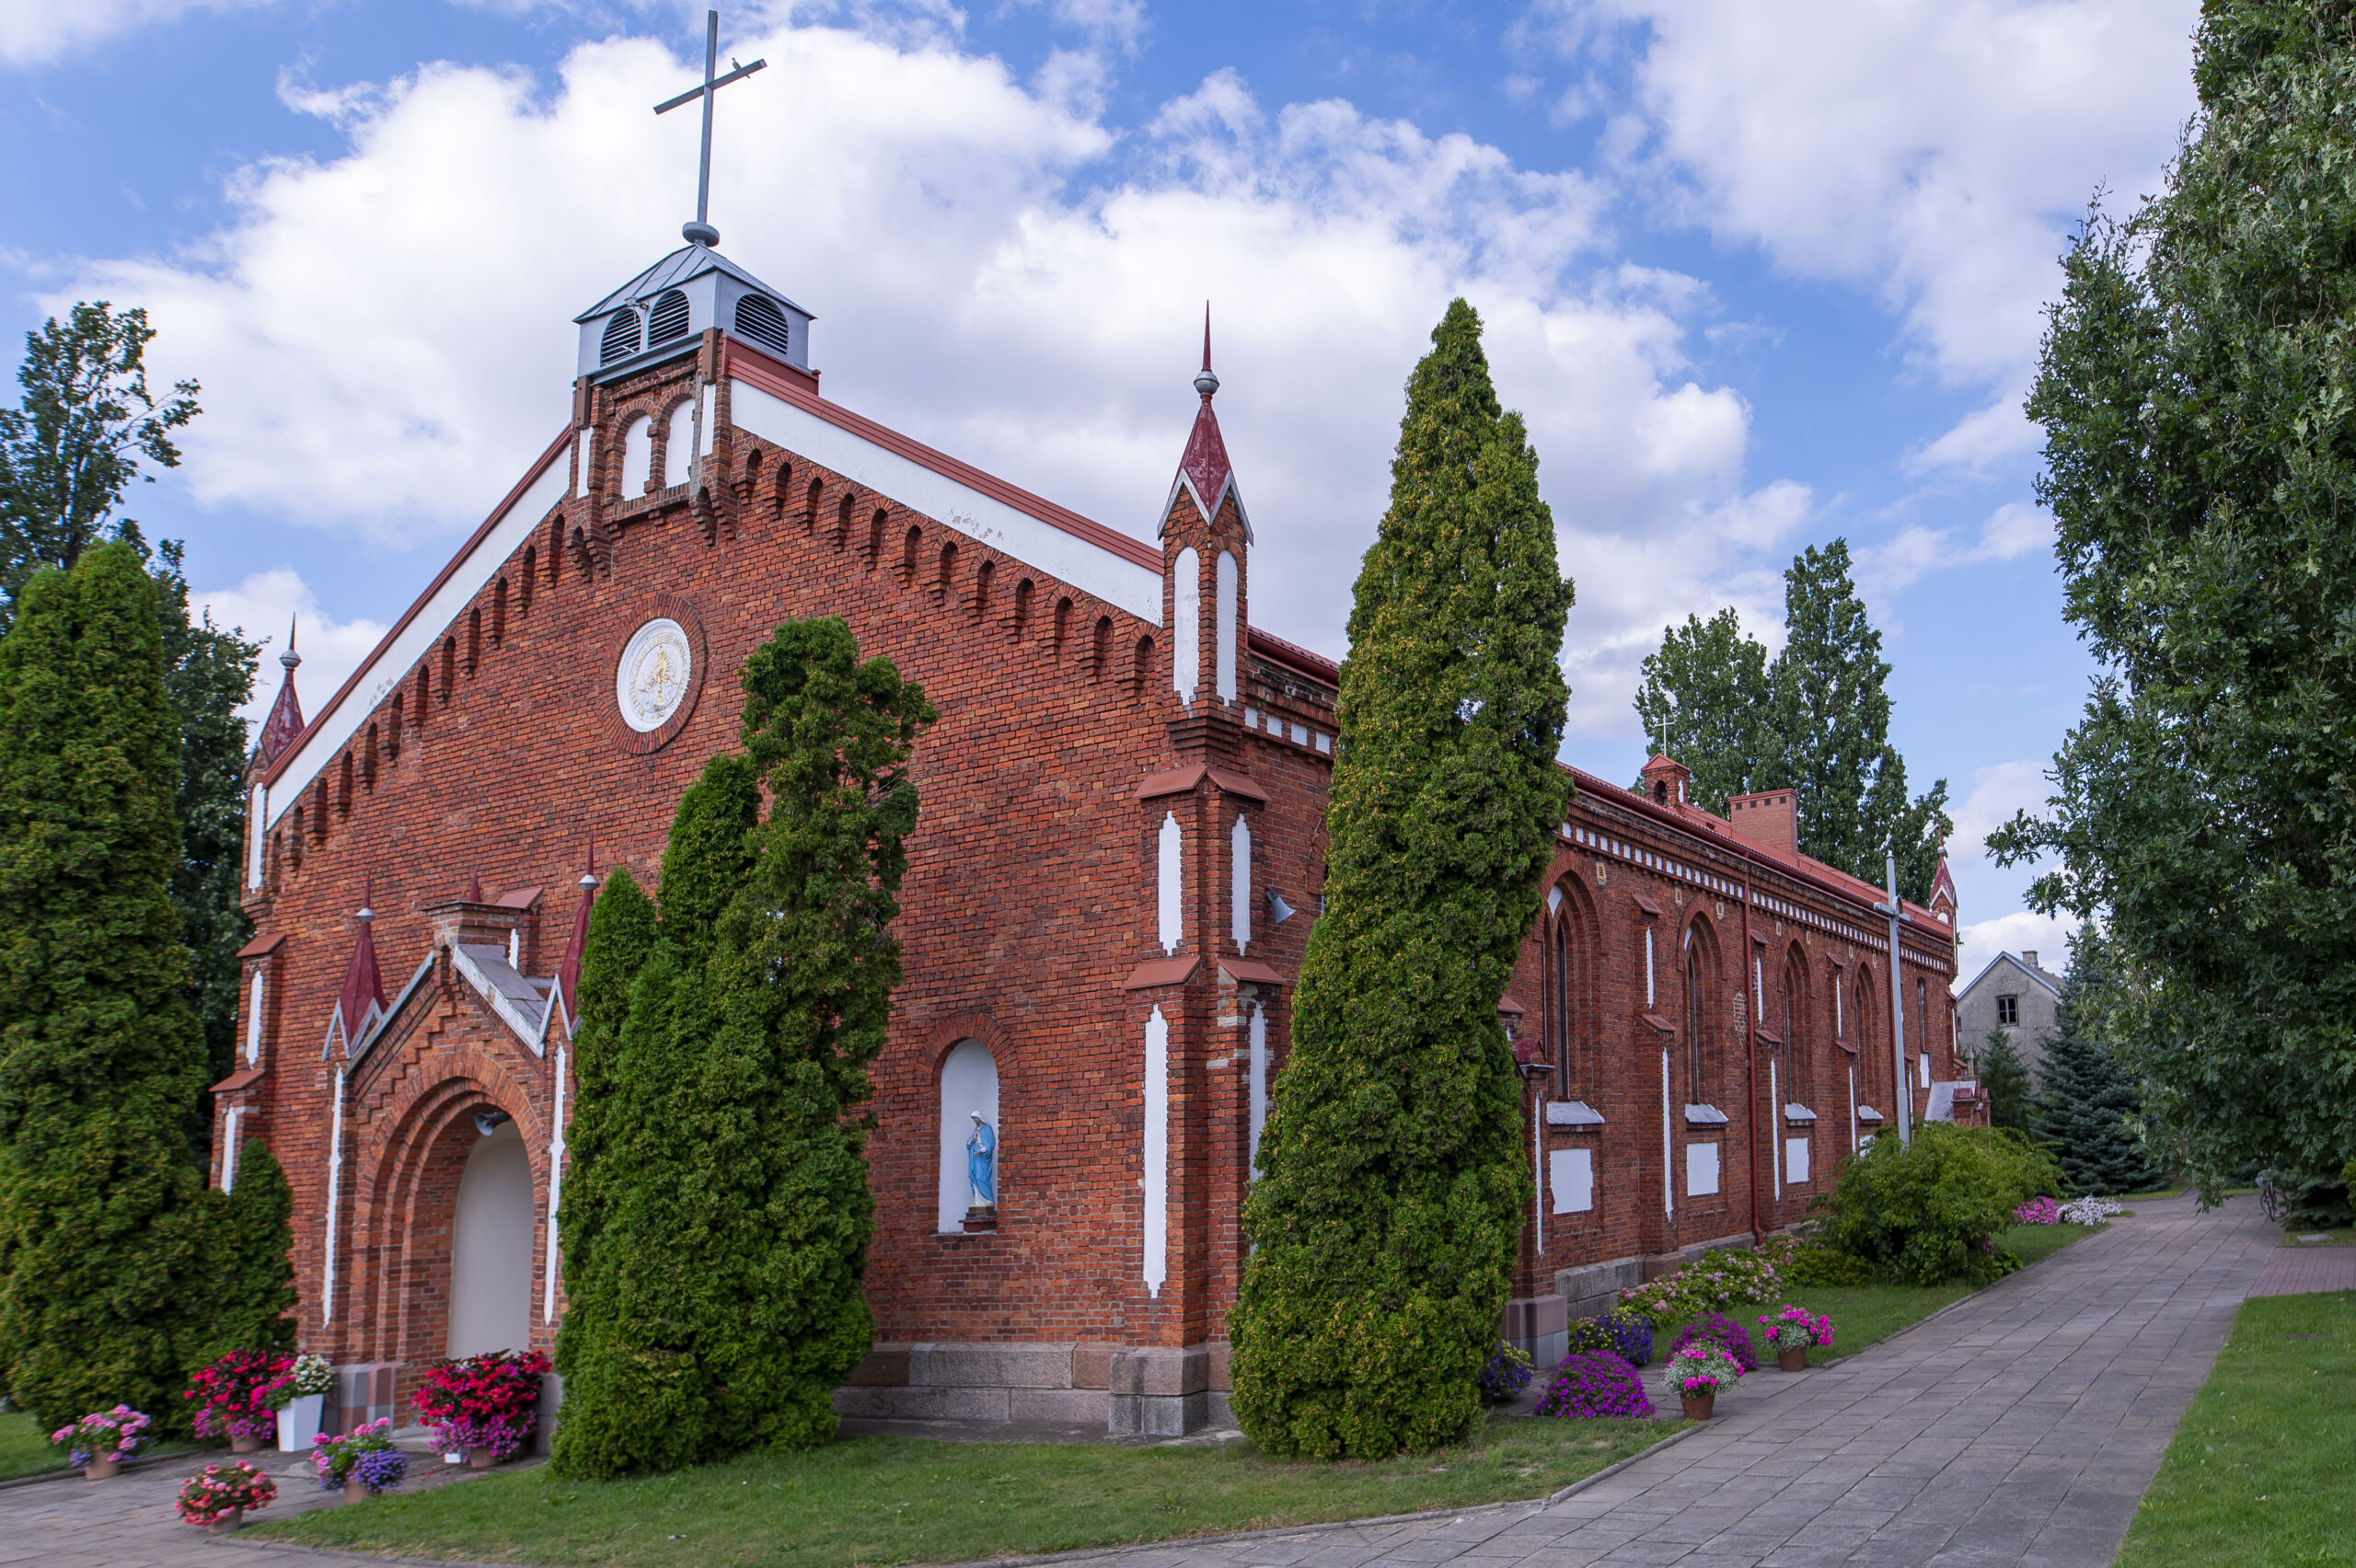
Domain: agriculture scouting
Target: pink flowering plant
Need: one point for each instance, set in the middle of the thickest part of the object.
(234, 1395)
(1703, 1367)
(482, 1401)
(2037, 1211)
(1796, 1328)
(104, 1434)
(216, 1491)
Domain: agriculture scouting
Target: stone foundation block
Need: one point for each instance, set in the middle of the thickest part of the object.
(1063, 1407)
(1594, 1289)
(990, 1365)
(914, 1404)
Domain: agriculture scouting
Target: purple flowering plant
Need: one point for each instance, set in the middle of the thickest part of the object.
(1719, 1330)
(1595, 1387)
(381, 1470)
(337, 1458)
(1507, 1374)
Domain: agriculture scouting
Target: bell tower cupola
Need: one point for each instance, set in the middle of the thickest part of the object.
(1206, 543)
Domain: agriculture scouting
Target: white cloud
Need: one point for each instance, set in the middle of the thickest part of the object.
(385, 337)
(1933, 151)
(2048, 936)
(1997, 792)
(34, 32)
(266, 605)
(1890, 567)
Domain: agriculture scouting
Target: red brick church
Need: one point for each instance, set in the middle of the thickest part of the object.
(1116, 872)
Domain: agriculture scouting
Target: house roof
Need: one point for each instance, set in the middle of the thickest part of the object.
(2050, 982)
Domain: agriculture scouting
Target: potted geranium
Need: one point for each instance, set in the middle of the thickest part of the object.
(102, 1440)
(481, 1405)
(363, 1461)
(230, 1399)
(1697, 1371)
(1793, 1331)
(216, 1497)
(297, 1397)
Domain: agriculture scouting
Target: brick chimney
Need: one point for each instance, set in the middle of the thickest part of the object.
(2029, 958)
(1769, 820)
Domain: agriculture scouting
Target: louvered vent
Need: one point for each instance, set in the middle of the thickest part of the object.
(758, 317)
(621, 338)
(668, 319)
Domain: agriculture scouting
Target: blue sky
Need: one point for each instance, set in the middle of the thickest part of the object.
(1759, 276)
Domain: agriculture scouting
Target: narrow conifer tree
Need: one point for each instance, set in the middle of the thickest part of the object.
(104, 1220)
(1389, 1205)
(2003, 1079)
(250, 1288)
(715, 1259)
(2086, 1094)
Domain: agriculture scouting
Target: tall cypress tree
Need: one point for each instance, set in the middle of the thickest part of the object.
(1389, 1207)
(103, 1214)
(714, 1259)
(249, 1287)
(2086, 1094)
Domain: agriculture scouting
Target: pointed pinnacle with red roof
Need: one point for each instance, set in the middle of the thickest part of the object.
(362, 1000)
(285, 720)
(1204, 467)
(568, 972)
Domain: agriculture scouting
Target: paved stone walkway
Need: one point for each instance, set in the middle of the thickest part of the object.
(2298, 1271)
(2021, 1426)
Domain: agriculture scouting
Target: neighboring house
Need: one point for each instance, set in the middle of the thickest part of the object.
(2013, 993)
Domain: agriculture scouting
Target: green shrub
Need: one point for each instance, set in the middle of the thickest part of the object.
(1929, 1212)
(1718, 1280)
(1812, 1264)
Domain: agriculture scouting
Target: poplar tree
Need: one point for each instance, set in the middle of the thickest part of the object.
(715, 1262)
(104, 1233)
(1387, 1212)
(2201, 470)
(1706, 699)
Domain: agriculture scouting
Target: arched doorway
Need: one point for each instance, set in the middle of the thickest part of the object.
(491, 1248)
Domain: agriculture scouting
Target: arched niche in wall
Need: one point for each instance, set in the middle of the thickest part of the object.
(968, 1083)
(491, 1248)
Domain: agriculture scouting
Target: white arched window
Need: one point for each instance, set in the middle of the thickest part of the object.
(638, 457)
(679, 448)
(1229, 577)
(253, 1021)
(968, 1083)
(1239, 885)
(1169, 863)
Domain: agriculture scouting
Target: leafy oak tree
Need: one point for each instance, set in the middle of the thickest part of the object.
(1388, 1209)
(1815, 721)
(2201, 468)
(715, 1261)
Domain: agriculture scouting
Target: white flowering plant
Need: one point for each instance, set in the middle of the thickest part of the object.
(2089, 1211)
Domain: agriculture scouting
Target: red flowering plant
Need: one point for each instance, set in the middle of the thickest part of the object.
(233, 1395)
(481, 1401)
(215, 1492)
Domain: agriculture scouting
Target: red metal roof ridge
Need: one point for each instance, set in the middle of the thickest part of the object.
(1263, 640)
(740, 358)
(1807, 869)
(474, 541)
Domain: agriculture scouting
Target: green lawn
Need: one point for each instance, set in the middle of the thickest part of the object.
(891, 1500)
(2257, 1473)
(1868, 1314)
(24, 1446)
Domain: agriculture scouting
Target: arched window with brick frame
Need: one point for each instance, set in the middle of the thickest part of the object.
(1700, 973)
(1566, 970)
(1799, 1035)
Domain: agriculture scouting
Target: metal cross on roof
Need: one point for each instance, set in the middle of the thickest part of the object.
(700, 232)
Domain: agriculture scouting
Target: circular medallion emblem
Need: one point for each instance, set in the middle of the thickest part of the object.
(656, 672)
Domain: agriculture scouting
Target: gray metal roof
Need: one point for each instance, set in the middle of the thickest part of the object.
(687, 261)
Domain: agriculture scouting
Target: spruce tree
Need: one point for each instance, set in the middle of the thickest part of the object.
(104, 1219)
(714, 1264)
(1387, 1211)
(2003, 1079)
(2086, 1095)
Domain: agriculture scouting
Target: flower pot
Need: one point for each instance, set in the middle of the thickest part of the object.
(103, 1466)
(227, 1522)
(355, 1490)
(481, 1459)
(245, 1445)
(299, 1422)
(1698, 1406)
(1793, 1360)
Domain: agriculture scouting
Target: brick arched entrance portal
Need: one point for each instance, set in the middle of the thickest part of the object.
(491, 1248)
